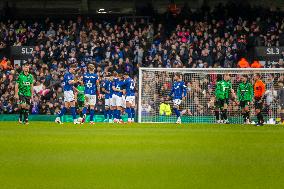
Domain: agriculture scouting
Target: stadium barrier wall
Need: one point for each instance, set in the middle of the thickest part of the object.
(50, 118)
(100, 118)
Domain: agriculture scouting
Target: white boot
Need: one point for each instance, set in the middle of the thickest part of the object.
(58, 120)
(178, 120)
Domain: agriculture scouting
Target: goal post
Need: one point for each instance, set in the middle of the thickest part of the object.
(199, 105)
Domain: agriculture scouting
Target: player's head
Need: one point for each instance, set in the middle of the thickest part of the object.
(120, 76)
(219, 77)
(115, 74)
(244, 78)
(72, 68)
(26, 68)
(91, 67)
(227, 77)
(280, 84)
(257, 76)
(125, 75)
(177, 76)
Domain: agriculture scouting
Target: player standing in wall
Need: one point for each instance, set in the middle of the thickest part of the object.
(118, 88)
(69, 98)
(107, 90)
(259, 90)
(24, 93)
(244, 97)
(92, 88)
(178, 92)
(130, 97)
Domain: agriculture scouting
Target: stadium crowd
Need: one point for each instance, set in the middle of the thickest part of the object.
(197, 41)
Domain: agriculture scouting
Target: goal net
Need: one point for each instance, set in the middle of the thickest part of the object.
(199, 105)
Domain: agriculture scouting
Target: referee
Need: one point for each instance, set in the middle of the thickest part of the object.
(259, 90)
(280, 97)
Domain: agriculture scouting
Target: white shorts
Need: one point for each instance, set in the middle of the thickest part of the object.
(108, 102)
(123, 101)
(177, 102)
(131, 100)
(91, 100)
(116, 100)
(69, 96)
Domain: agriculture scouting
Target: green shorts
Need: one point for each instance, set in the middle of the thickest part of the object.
(244, 103)
(25, 99)
(81, 104)
(220, 103)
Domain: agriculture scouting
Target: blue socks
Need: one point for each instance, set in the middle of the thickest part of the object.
(177, 112)
(62, 112)
(92, 113)
(73, 112)
(133, 113)
(106, 113)
(110, 114)
(129, 112)
(84, 111)
(118, 114)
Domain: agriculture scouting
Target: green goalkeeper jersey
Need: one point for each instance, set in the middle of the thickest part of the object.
(245, 92)
(220, 90)
(81, 93)
(25, 82)
(228, 88)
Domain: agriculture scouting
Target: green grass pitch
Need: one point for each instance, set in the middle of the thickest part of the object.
(140, 156)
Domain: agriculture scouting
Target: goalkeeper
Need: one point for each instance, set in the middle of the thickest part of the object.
(259, 90)
(244, 97)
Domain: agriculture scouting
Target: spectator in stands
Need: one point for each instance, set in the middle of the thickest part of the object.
(243, 63)
(256, 64)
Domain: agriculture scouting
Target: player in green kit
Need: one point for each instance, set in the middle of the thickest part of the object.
(220, 98)
(24, 93)
(245, 96)
(80, 96)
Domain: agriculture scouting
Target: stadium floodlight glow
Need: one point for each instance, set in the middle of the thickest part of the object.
(198, 107)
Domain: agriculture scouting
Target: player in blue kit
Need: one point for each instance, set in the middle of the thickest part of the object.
(69, 98)
(113, 107)
(178, 93)
(118, 88)
(107, 89)
(130, 97)
(92, 88)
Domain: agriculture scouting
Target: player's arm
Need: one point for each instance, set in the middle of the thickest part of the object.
(71, 82)
(17, 90)
(251, 92)
(98, 88)
(32, 91)
(75, 89)
(32, 88)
